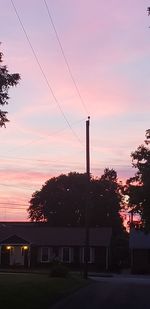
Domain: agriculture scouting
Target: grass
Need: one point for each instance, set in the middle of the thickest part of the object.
(35, 291)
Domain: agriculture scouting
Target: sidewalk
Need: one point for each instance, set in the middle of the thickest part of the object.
(116, 275)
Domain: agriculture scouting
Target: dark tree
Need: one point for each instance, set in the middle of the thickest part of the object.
(7, 80)
(107, 201)
(138, 187)
(62, 201)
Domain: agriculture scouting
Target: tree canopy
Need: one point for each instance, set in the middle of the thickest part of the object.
(62, 201)
(138, 187)
(7, 80)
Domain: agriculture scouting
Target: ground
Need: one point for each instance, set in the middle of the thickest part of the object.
(111, 293)
(34, 291)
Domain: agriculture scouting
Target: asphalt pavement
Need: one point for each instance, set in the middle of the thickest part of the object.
(117, 292)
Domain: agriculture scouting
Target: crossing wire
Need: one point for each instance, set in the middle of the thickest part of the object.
(42, 71)
(65, 57)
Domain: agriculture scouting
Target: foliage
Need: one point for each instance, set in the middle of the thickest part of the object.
(7, 80)
(62, 201)
(59, 270)
(138, 187)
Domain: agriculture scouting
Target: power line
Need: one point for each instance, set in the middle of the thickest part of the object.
(65, 58)
(46, 161)
(49, 135)
(42, 71)
(15, 204)
(20, 187)
(9, 208)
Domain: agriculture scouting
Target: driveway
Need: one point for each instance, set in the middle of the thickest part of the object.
(111, 293)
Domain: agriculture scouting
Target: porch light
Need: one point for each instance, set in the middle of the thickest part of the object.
(25, 247)
(8, 247)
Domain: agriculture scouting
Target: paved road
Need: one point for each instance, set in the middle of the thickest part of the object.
(111, 293)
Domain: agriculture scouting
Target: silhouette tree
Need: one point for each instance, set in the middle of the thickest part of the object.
(138, 187)
(7, 80)
(107, 201)
(62, 201)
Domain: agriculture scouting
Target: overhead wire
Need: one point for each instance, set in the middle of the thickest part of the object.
(49, 135)
(17, 204)
(42, 70)
(22, 206)
(16, 186)
(46, 161)
(65, 57)
(13, 208)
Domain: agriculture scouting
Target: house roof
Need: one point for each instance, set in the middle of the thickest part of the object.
(41, 235)
(14, 239)
(139, 240)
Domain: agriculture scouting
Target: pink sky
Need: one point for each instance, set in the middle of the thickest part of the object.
(107, 44)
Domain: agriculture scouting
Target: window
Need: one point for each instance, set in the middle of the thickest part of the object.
(45, 254)
(66, 255)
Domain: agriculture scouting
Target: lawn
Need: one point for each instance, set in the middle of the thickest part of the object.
(34, 291)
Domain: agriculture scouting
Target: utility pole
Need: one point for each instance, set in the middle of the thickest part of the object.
(86, 249)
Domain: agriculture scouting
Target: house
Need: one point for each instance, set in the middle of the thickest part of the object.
(33, 244)
(139, 244)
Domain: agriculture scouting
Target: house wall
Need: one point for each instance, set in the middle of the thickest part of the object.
(101, 258)
(140, 261)
(36, 256)
(98, 256)
(16, 256)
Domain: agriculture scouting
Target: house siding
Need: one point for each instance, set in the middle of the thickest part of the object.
(59, 243)
(98, 257)
(140, 261)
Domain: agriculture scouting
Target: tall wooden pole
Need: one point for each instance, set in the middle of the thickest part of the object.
(86, 249)
(88, 148)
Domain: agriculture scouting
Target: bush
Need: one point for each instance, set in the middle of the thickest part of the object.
(60, 271)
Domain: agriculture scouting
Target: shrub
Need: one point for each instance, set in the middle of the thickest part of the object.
(60, 271)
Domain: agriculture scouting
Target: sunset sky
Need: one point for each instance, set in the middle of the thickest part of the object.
(107, 46)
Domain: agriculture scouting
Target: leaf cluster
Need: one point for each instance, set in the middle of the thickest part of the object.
(138, 187)
(62, 200)
(7, 80)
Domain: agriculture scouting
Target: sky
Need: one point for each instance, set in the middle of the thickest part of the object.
(107, 47)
